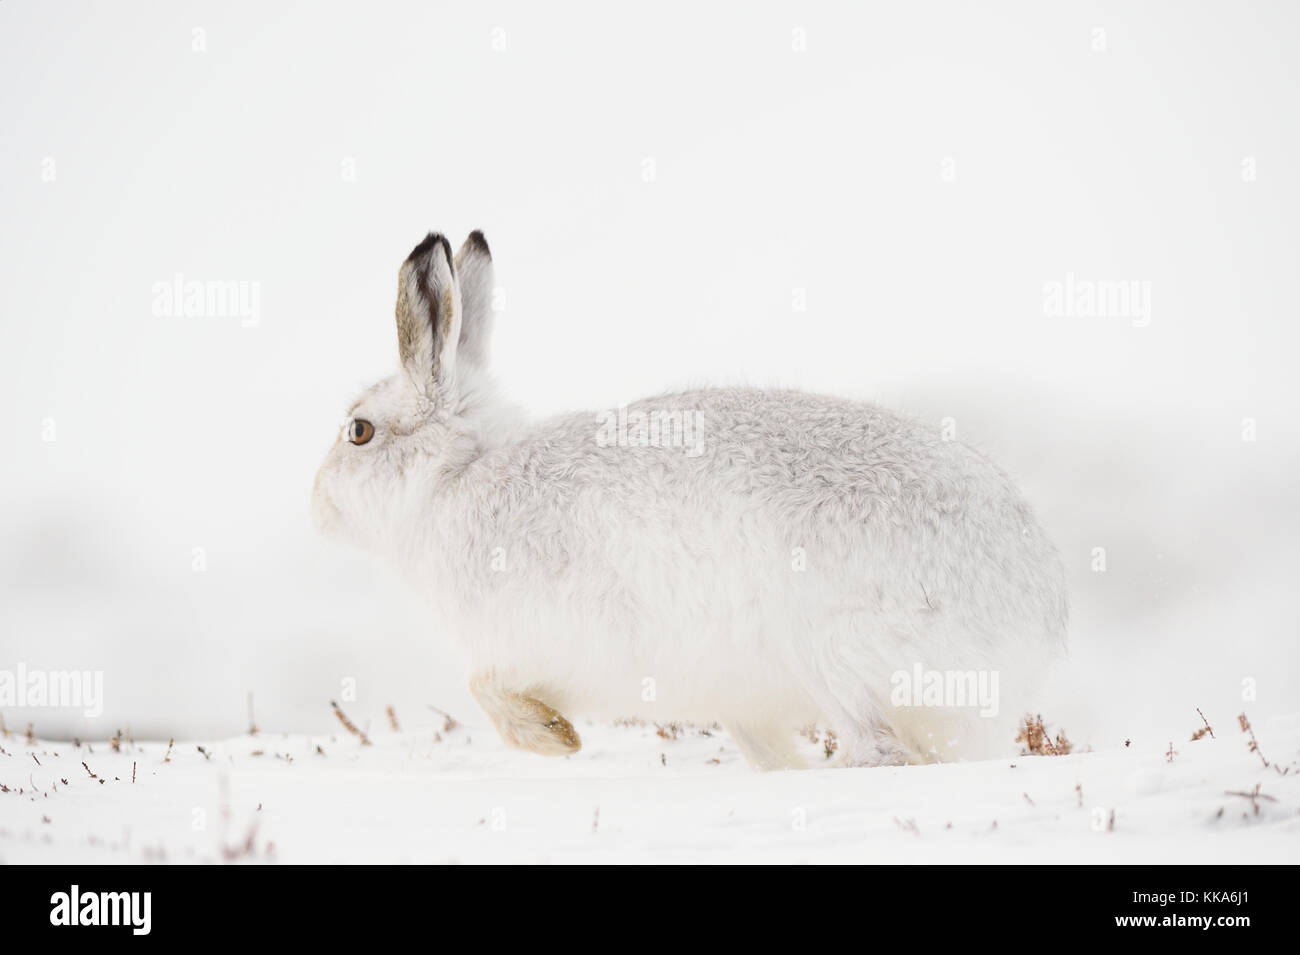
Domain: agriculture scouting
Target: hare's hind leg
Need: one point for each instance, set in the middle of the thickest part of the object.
(766, 747)
(524, 721)
(865, 738)
(864, 735)
(872, 746)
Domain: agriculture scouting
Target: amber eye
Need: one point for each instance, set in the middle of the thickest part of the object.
(359, 432)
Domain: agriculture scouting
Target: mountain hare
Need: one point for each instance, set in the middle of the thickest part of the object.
(762, 559)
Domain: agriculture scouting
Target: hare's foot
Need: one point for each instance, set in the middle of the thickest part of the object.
(873, 748)
(524, 721)
(766, 747)
(864, 735)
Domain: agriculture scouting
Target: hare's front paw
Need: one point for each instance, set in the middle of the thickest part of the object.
(532, 725)
(524, 721)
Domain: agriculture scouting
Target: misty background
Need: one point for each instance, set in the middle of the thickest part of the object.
(870, 200)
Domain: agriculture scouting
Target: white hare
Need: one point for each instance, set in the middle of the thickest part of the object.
(761, 559)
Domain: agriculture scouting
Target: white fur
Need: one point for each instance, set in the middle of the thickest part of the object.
(590, 577)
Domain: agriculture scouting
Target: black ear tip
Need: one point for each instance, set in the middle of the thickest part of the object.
(478, 242)
(427, 245)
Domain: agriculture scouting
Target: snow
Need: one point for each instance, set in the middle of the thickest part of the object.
(426, 794)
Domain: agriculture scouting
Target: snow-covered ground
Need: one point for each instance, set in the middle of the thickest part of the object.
(429, 794)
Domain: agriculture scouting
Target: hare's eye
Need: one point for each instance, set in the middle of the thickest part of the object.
(360, 431)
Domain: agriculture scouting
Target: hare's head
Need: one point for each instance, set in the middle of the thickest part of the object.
(405, 431)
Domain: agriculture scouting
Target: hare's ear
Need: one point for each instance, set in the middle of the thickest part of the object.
(474, 276)
(428, 315)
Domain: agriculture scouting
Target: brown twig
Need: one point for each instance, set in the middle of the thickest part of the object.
(909, 825)
(349, 725)
(1204, 730)
(450, 721)
(1254, 796)
(246, 849)
(668, 730)
(1254, 744)
(1033, 733)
